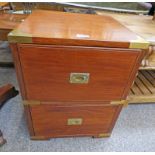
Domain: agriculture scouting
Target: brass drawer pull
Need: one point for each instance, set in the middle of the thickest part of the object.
(74, 121)
(79, 78)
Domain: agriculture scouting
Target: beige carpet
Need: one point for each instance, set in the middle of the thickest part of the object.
(5, 53)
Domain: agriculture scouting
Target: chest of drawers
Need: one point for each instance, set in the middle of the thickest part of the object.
(74, 72)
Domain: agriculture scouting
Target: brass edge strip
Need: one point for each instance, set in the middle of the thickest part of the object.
(104, 135)
(34, 102)
(121, 102)
(38, 137)
(30, 102)
(16, 36)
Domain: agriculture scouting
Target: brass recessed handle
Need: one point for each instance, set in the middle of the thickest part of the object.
(79, 78)
(74, 121)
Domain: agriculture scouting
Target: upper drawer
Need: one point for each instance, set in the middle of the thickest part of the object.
(54, 73)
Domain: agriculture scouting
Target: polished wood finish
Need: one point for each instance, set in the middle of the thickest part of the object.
(106, 80)
(17, 64)
(56, 107)
(95, 120)
(74, 29)
(56, 62)
(11, 21)
(8, 22)
(29, 120)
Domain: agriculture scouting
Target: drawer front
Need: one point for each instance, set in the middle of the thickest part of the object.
(61, 121)
(53, 73)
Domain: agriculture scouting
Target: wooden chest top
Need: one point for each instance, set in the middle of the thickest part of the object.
(59, 28)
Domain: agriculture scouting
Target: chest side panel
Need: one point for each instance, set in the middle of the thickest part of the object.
(47, 71)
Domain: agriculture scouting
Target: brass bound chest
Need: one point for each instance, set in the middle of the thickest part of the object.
(74, 72)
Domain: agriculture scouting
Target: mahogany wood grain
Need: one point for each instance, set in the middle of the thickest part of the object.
(52, 27)
(51, 121)
(17, 64)
(29, 120)
(11, 21)
(134, 73)
(46, 71)
(115, 117)
(44, 67)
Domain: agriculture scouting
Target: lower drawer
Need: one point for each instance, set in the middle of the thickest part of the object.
(50, 121)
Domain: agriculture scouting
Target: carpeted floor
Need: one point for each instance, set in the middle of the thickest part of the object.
(5, 52)
(134, 130)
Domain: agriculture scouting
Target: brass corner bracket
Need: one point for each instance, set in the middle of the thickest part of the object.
(17, 36)
(121, 102)
(139, 43)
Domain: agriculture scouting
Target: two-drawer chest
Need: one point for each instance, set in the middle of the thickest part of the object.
(74, 72)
